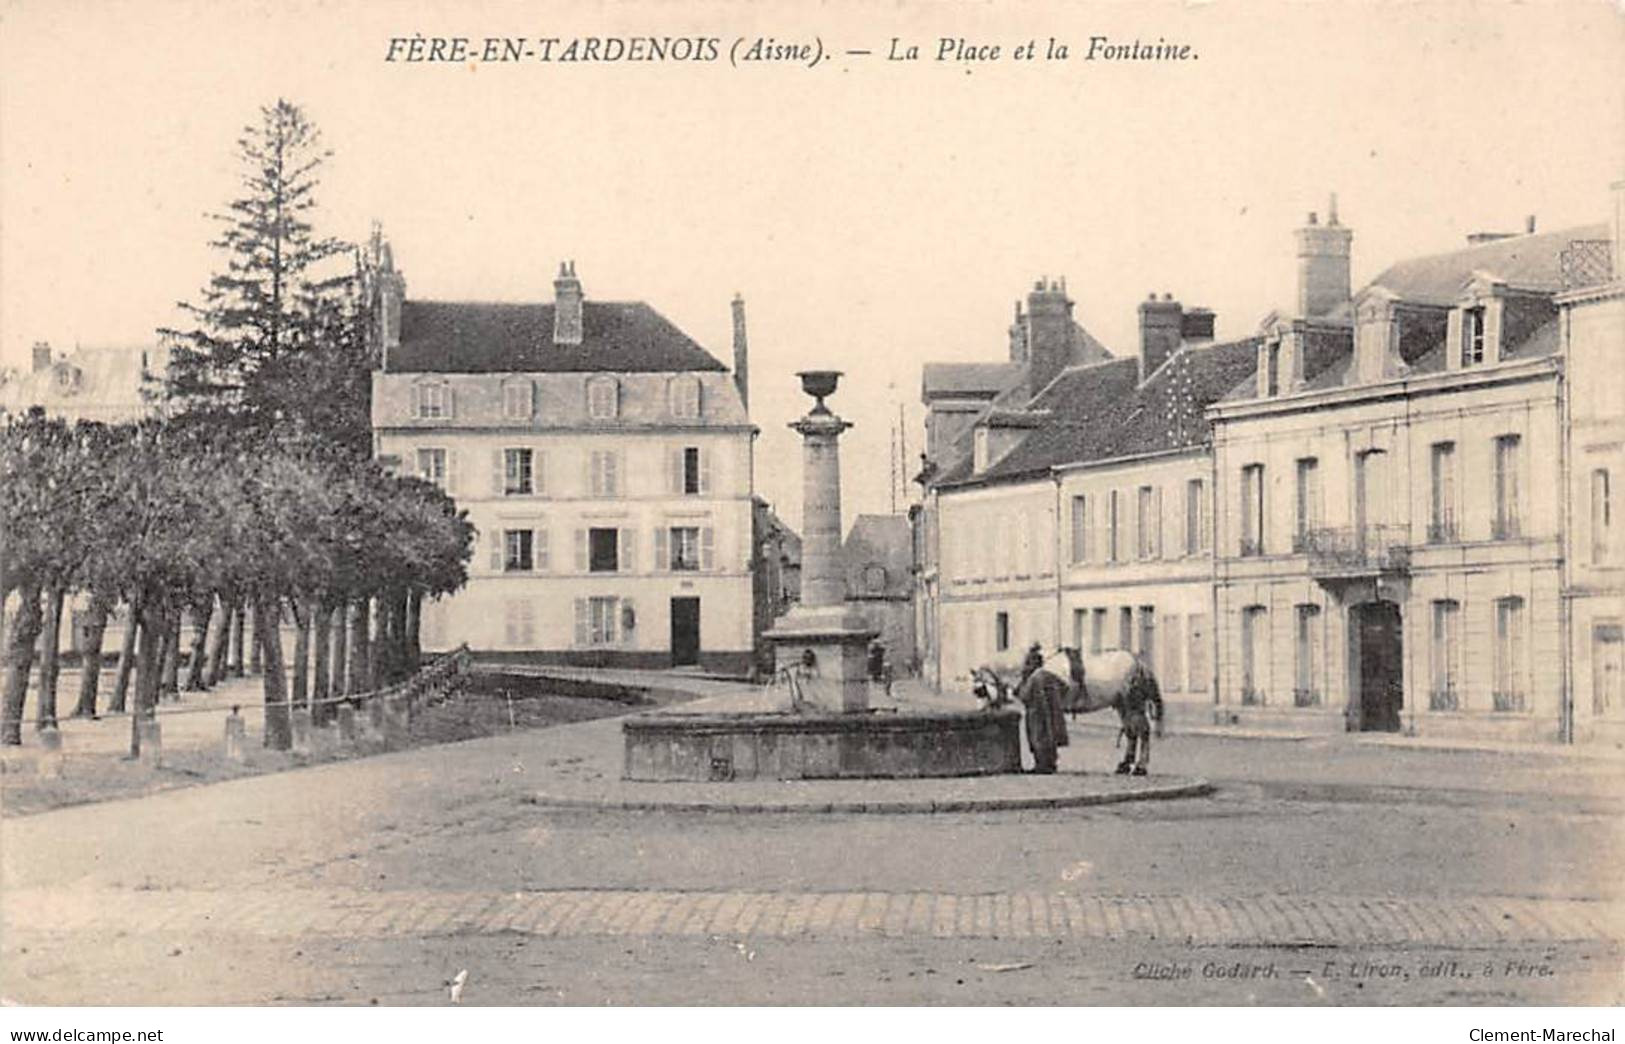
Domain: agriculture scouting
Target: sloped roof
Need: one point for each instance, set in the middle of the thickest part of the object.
(1530, 262)
(969, 379)
(1102, 412)
(883, 540)
(494, 337)
(92, 383)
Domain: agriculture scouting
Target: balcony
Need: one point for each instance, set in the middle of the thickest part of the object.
(1305, 697)
(1510, 702)
(1444, 531)
(1446, 699)
(1251, 697)
(1357, 552)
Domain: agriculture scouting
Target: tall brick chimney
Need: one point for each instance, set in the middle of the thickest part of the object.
(1323, 264)
(567, 305)
(42, 356)
(1162, 328)
(1049, 333)
(741, 353)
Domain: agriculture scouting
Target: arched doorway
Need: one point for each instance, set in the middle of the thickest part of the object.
(1376, 661)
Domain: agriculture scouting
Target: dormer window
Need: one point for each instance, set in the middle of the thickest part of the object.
(518, 400)
(603, 398)
(1472, 336)
(683, 394)
(431, 401)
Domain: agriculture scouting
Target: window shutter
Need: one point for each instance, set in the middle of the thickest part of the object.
(541, 558)
(448, 399)
(1177, 538)
(662, 561)
(538, 472)
(674, 470)
(612, 474)
(417, 400)
(494, 542)
(707, 549)
(629, 620)
(581, 550)
(628, 551)
(535, 399)
(1156, 522)
(582, 635)
(705, 470)
(451, 472)
(497, 475)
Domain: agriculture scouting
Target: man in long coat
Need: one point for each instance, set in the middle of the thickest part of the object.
(1045, 721)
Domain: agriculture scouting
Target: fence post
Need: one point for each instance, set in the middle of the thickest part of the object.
(347, 725)
(50, 761)
(300, 720)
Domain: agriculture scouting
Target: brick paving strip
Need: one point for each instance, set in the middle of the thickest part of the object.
(1269, 920)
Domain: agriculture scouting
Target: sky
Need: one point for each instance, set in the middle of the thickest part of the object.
(874, 214)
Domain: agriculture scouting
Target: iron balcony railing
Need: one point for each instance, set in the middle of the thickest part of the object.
(1358, 550)
(1443, 531)
(1510, 702)
(1446, 699)
(1305, 697)
(1251, 697)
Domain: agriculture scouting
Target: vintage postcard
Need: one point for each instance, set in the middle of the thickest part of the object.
(845, 505)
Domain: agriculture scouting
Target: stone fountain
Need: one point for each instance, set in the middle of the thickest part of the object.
(819, 650)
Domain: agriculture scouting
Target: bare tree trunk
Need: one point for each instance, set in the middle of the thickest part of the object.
(126, 661)
(238, 626)
(321, 668)
(197, 665)
(50, 667)
(220, 642)
(361, 647)
(267, 633)
(256, 648)
(90, 657)
(414, 631)
(25, 629)
(341, 649)
(172, 655)
(300, 689)
(149, 668)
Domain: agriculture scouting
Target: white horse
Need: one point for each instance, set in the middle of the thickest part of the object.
(1117, 679)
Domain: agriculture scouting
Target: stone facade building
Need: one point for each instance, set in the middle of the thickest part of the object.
(877, 558)
(603, 457)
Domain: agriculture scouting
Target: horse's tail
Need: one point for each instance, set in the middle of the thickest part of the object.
(1148, 694)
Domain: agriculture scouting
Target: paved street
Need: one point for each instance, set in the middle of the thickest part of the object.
(1319, 871)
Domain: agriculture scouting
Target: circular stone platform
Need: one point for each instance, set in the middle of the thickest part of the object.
(978, 794)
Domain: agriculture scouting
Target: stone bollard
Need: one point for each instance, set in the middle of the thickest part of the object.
(349, 733)
(150, 735)
(50, 759)
(375, 714)
(397, 721)
(236, 736)
(300, 720)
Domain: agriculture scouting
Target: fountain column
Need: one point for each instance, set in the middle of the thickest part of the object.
(822, 631)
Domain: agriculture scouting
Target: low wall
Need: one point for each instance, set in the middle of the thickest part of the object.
(868, 745)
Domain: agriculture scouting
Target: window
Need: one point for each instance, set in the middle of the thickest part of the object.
(518, 400)
(1080, 530)
(1272, 386)
(603, 550)
(519, 622)
(1252, 509)
(1608, 670)
(1602, 517)
(596, 620)
(433, 401)
(1113, 536)
(604, 478)
(1196, 642)
(1306, 687)
(1444, 657)
(1097, 631)
(1254, 655)
(874, 579)
(1080, 619)
(1308, 504)
(1509, 655)
(1172, 673)
(518, 551)
(1148, 524)
(432, 466)
(1148, 635)
(603, 398)
(1001, 632)
(1442, 504)
(685, 548)
(518, 477)
(1195, 517)
(1125, 629)
(1472, 337)
(1507, 495)
(684, 396)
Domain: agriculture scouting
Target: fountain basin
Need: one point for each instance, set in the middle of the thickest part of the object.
(782, 745)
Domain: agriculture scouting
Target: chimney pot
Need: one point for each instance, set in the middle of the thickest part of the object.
(567, 325)
(1314, 219)
(741, 352)
(1529, 224)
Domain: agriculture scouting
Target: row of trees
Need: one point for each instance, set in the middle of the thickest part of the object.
(252, 486)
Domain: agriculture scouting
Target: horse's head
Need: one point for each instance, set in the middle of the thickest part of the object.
(989, 689)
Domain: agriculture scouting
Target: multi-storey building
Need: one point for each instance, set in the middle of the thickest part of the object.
(1389, 549)
(1592, 316)
(603, 457)
(107, 385)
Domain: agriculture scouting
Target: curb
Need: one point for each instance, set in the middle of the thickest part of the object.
(1172, 791)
